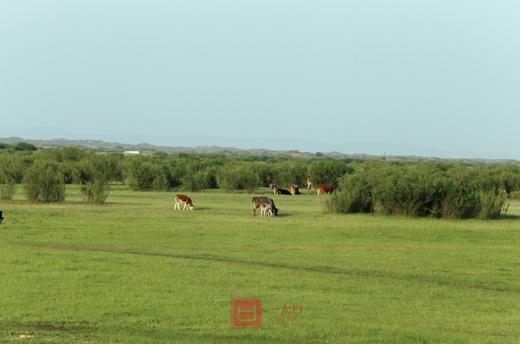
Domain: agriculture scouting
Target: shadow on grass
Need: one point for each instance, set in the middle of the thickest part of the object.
(61, 326)
(509, 217)
(282, 215)
(274, 217)
(361, 273)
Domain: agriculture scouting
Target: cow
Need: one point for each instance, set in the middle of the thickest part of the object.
(258, 200)
(277, 191)
(310, 184)
(295, 190)
(325, 189)
(182, 199)
(266, 210)
(1, 215)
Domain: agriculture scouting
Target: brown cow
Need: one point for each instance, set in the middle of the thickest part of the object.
(183, 199)
(325, 189)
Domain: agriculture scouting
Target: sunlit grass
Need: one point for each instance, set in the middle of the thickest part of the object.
(136, 271)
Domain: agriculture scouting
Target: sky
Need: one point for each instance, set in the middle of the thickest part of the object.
(405, 77)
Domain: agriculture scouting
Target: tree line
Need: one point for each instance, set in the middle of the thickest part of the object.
(434, 189)
(448, 190)
(45, 172)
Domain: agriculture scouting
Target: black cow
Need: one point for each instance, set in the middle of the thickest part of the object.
(257, 200)
(1, 215)
(278, 191)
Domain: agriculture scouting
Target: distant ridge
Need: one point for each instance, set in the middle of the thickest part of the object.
(105, 146)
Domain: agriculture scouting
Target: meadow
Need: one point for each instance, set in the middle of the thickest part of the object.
(135, 271)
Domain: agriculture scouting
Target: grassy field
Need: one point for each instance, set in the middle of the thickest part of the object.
(135, 271)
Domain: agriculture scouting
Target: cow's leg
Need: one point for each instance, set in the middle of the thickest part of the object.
(185, 204)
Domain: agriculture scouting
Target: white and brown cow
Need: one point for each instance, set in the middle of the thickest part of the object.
(257, 201)
(266, 210)
(184, 200)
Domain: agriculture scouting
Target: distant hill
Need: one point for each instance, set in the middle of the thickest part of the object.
(99, 145)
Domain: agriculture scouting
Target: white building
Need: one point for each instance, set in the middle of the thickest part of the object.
(131, 152)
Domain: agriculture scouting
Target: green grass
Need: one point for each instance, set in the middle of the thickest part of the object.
(135, 271)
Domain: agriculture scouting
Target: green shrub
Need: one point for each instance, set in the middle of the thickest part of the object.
(92, 175)
(44, 182)
(356, 195)
(144, 175)
(8, 175)
(196, 182)
(290, 172)
(239, 177)
(7, 188)
(24, 146)
(491, 205)
(421, 190)
(327, 171)
(161, 180)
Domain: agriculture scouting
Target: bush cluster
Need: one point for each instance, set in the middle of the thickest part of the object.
(451, 190)
(44, 182)
(92, 175)
(421, 189)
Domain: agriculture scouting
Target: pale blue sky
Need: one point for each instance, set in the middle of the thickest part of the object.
(431, 77)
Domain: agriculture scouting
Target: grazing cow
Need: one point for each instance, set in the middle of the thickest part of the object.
(266, 210)
(310, 184)
(295, 190)
(1, 215)
(325, 189)
(277, 191)
(183, 199)
(258, 200)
